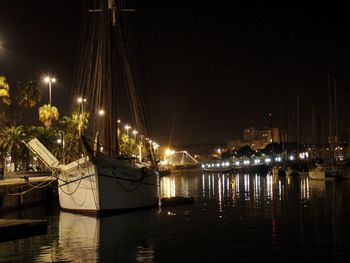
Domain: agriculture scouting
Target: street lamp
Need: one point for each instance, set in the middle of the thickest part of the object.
(127, 127)
(271, 133)
(81, 102)
(81, 114)
(135, 132)
(49, 80)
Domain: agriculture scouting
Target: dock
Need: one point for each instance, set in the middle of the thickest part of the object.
(11, 229)
(17, 192)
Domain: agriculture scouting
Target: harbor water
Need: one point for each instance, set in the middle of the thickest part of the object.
(234, 218)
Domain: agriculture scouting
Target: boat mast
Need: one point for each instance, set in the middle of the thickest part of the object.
(330, 122)
(112, 8)
(133, 86)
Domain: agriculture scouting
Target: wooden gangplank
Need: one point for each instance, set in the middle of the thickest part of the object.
(11, 229)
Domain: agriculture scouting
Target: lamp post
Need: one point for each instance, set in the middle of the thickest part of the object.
(118, 129)
(100, 114)
(271, 133)
(81, 114)
(81, 102)
(135, 132)
(127, 127)
(49, 80)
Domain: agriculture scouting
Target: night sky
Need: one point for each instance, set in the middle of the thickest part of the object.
(209, 68)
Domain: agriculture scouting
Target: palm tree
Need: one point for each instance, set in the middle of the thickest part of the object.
(28, 93)
(70, 141)
(27, 96)
(4, 91)
(4, 97)
(126, 145)
(47, 136)
(11, 138)
(47, 114)
(80, 121)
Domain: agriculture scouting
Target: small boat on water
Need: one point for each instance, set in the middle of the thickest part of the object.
(317, 173)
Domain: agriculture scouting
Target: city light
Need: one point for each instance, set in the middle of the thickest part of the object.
(127, 127)
(49, 80)
(81, 100)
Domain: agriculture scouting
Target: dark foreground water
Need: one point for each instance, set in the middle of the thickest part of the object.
(235, 218)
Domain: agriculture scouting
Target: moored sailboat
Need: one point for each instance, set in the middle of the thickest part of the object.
(103, 180)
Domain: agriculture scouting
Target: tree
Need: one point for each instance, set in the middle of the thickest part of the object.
(245, 151)
(47, 114)
(226, 155)
(4, 98)
(4, 91)
(47, 136)
(28, 93)
(126, 145)
(71, 143)
(11, 138)
(80, 121)
(272, 148)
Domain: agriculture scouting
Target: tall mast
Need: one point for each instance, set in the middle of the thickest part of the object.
(330, 122)
(314, 132)
(298, 125)
(112, 8)
(330, 108)
(130, 75)
(335, 110)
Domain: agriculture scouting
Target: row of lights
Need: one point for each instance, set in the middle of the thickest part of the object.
(245, 162)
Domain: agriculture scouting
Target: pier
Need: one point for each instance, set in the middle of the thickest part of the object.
(20, 191)
(27, 190)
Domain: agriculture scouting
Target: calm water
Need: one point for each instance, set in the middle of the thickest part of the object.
(235, 218)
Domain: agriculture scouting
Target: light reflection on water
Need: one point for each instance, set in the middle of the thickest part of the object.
(235, 216)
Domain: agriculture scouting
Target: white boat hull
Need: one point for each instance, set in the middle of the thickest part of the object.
(118, 185)
(103, 184)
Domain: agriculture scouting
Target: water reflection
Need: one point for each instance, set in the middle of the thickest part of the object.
(231, 189)
(78, 238)
(259, 188)
(121, 238)
(233, 215)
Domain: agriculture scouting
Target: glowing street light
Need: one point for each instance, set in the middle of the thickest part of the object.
(81, 102)
(127, 127)
(135, 132)
(49, 80)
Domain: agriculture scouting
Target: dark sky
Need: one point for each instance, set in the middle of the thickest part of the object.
(209, 68)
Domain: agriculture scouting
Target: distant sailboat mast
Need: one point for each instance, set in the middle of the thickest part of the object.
(333, 113)
(335, 110)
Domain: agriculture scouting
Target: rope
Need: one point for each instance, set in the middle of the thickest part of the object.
(33, 187)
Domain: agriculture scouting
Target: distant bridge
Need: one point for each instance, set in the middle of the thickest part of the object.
(180, 159)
